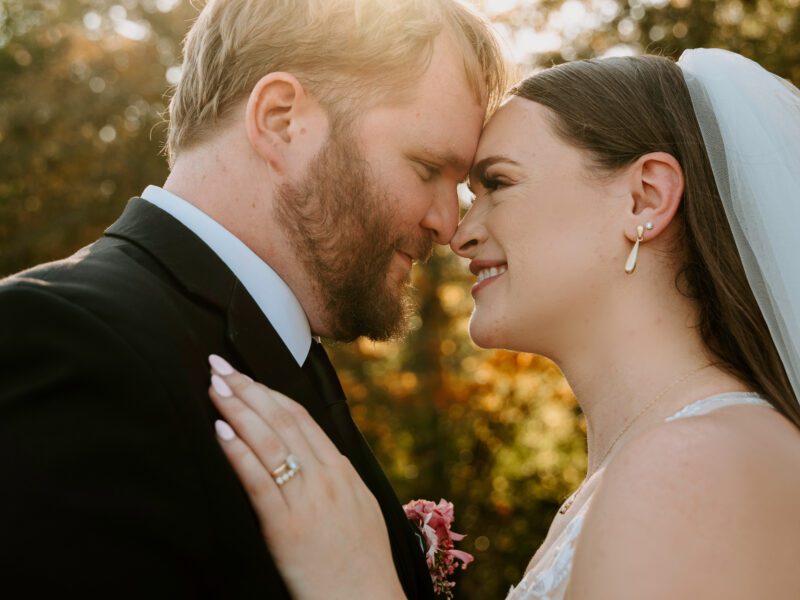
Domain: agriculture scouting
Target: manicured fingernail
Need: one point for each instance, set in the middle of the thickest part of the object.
(224, 430)
(220, 365)
(221, 387)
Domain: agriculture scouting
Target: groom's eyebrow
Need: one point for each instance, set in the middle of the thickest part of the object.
(449, 158)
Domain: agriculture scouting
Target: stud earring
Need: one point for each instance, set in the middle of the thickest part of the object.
(630, 265)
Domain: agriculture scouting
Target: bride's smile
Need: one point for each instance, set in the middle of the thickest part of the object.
(486, 271)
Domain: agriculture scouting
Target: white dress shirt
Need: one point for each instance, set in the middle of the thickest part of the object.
(275, 299)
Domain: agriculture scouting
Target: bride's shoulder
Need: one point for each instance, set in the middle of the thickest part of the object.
(701, 504)
(727, 449)
(732, 459)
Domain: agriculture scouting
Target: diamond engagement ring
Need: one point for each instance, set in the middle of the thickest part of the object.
(287, 470)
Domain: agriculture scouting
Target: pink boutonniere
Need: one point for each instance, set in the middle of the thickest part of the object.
(433, 521)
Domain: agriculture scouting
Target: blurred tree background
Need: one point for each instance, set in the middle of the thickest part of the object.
(83, 87)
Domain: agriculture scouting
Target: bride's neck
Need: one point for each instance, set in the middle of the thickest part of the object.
(624, 362)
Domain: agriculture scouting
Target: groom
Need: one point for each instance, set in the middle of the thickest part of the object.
(315, 148)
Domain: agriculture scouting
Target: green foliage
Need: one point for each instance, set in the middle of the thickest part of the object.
(82, 95)
(79, 118)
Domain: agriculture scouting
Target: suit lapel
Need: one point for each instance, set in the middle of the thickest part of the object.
(202, 275)
(194, 267)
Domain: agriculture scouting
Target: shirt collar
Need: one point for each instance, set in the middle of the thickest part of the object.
(275, 299)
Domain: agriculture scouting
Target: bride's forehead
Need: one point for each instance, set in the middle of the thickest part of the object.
(516, 115)
(518, 125)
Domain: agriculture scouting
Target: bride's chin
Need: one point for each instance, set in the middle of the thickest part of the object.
(484, 335)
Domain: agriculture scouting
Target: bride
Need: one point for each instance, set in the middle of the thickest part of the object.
(635, 220)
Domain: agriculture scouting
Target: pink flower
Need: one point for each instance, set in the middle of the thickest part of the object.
(433, 522)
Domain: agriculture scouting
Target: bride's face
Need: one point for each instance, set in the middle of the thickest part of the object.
(547, 224)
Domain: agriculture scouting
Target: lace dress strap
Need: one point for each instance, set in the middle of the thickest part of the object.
(712, 403)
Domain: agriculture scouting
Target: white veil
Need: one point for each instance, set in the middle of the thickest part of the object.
(750, 121)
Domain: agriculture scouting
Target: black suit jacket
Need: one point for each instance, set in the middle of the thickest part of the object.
(112, 482)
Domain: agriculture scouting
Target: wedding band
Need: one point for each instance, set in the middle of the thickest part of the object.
(287, 470)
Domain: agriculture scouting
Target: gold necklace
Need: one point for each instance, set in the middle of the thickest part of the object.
(569, 501)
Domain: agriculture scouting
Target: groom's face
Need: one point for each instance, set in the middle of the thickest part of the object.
(377, 197)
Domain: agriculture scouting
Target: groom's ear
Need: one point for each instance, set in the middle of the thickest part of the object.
(656, 188)
(283, 122)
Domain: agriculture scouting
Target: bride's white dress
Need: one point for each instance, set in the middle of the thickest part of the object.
(549, 577)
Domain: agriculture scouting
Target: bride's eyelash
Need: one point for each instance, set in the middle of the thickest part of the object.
(490, 183)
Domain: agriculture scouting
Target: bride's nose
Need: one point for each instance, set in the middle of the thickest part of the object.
(469, 236)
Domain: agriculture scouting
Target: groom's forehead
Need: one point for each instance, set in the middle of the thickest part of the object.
(446, 139)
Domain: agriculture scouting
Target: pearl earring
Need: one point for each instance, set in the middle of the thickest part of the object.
(630, 265)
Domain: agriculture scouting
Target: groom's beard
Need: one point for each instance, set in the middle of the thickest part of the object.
(340, 224)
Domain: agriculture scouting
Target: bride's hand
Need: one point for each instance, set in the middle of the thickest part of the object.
(322, 525)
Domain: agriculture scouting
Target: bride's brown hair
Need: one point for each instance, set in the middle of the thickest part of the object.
(620, 109)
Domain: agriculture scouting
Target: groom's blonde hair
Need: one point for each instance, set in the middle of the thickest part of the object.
(347, 53)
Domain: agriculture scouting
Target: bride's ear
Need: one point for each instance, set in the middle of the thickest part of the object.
(656, 188)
